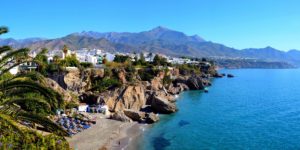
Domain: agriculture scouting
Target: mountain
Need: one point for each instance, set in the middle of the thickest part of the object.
(157, 40)
(158, 33)
(20, 42)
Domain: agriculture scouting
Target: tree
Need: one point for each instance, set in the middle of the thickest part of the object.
(121, 58)
(16, 92)
(158, 60)
(142, 58)
(72, 61)
(65, 50)
(42, 61)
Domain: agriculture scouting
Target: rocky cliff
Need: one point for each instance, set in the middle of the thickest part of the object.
(133, 100)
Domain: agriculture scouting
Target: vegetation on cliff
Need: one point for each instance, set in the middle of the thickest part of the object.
(24, 105)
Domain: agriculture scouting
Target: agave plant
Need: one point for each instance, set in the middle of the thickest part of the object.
(16, 92)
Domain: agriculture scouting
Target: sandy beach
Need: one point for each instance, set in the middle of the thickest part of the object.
(105, 134)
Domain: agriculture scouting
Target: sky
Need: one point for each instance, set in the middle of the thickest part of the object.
(234, 23)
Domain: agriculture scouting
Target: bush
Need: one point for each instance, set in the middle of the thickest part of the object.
(167, 80)
(70, 105)
(105, 83)
(86, 65)
(71, 61)
(29, 140)
(147, 74)
(121, 58)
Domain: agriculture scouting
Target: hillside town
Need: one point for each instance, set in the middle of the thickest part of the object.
(96, 57)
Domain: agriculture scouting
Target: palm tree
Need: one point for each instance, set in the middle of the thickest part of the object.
(16, 92)
(65, 50)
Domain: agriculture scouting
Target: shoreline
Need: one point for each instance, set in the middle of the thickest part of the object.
(127, 138)
(107, 134)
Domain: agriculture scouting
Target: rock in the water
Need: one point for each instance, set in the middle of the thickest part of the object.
(230, 75)
(218, 75)
(162, 105)
(151, 118)
(134, 115)
(120, 116)
(182, 123)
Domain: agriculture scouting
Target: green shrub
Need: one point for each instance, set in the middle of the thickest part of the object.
(121, 58)
(105, 83)
(86, 65)
(70, 105)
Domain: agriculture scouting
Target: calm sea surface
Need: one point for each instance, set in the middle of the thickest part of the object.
(258, 109)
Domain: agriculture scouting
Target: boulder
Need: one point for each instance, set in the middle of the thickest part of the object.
(120, 116)
(134, 115)
(165, 95)
(151, 118)
(173, 90)
(162, 105)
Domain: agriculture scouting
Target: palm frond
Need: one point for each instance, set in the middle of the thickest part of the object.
(18, 101)
(3, 30)
(12, 54)
(6, 119)
(4, 49)
(45, 122)
(53, 97)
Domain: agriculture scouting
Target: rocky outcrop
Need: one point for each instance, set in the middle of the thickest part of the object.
(77, 81)
(162, 105)
(55, 86)
(74, 82)
(156, 84)
(120, 116)
(151, 118)
(195, 83)
(97, 73)
(122, 76)
(177, 88)
(135, 115)
(126, 97)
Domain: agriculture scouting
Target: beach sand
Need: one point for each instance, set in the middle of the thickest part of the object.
(105, 134)
(128, 137)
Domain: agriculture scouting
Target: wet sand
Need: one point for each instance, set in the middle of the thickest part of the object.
(128, 137)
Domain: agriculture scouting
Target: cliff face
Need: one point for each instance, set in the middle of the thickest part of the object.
(135, 99)
(126, 97)
(55, 86)
(77, 81)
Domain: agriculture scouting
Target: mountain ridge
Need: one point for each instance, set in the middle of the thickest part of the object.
(157, 40)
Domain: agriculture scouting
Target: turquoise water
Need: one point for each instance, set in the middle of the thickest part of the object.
(258, 109)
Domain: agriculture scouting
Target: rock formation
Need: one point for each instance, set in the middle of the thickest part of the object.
(120, 116)
(55, 86)
(162, 105)
(126, 97)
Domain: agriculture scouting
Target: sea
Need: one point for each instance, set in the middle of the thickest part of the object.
(258, 109)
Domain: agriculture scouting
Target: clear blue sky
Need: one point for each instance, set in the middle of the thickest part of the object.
(235, 23)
